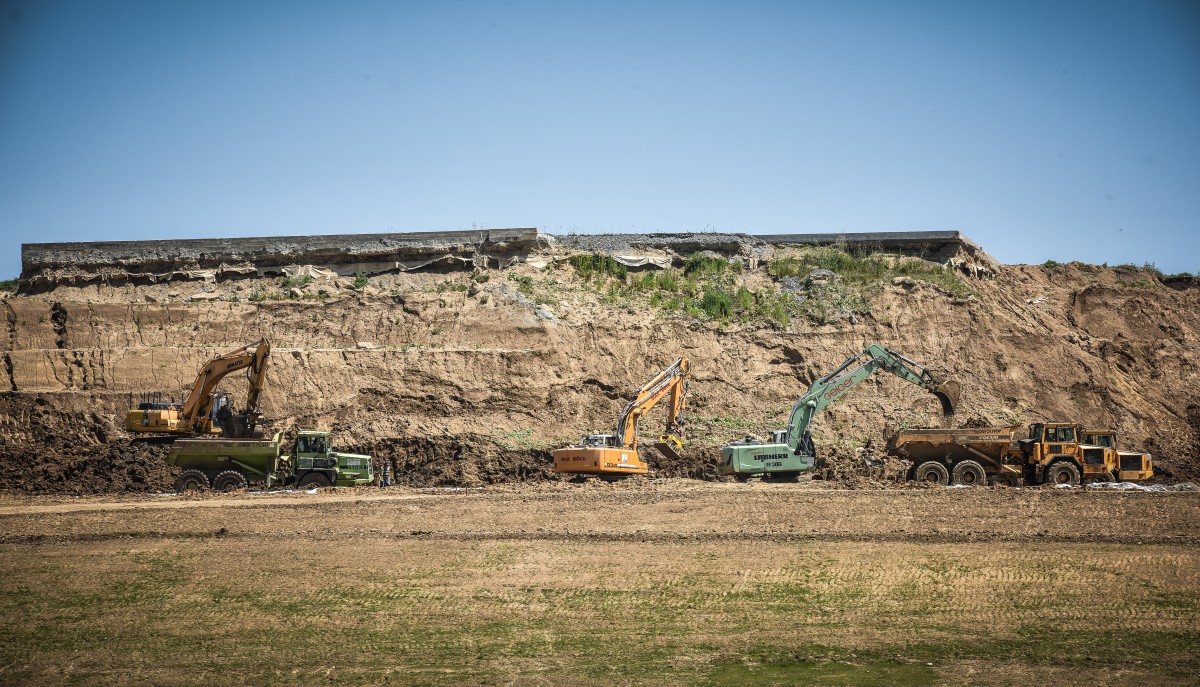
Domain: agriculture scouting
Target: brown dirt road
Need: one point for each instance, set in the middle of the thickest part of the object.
(683, 510)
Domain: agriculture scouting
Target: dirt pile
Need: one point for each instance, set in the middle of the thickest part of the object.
(47, 449)
(471, 376)
(465, 460)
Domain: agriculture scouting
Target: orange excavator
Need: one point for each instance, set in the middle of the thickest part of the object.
(616, 454)
(208, 411)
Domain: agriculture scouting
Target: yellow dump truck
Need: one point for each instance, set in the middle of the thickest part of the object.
(1051, 453)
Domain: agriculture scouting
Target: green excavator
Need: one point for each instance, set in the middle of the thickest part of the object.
(790, 451)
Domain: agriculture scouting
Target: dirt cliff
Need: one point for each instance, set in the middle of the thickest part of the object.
(469, 375)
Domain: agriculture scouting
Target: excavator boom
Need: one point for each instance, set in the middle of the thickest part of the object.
(617, 454)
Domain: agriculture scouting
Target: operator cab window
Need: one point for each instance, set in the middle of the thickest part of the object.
(1060, 434)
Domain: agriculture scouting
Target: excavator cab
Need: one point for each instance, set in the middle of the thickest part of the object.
(599, 441)
(222, 406)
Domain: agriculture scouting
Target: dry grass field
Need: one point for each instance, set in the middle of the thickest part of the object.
(641, 583)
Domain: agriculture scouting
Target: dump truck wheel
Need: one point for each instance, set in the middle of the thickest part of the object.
(315, 479)
(932, 472)
(1063, 472)
(969, 473)
(230, 480)
(191, 481)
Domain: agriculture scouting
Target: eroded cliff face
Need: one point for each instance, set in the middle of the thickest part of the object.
(468, 377)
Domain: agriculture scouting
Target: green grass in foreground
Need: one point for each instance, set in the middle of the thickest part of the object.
(461, 612)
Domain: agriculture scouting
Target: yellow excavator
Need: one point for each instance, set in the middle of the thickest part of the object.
(208, 411)
(616, 454)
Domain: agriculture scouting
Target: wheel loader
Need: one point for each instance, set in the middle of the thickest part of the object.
(1131, 465)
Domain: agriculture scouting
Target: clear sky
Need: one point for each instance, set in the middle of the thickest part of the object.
(1064, 130)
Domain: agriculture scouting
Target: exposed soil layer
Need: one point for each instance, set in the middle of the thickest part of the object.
(462, 378)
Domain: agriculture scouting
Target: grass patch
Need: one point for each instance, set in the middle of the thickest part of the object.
(8, 285)
(593, 265)
(295, 282)
(524, 282)
(886, 673)
(867, 269)
(703, 265)
(858, 279)
(710, 288)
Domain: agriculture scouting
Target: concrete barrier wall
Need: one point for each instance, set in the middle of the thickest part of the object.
(44, 265)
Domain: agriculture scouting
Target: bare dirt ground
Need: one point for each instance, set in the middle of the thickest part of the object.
(642, 582)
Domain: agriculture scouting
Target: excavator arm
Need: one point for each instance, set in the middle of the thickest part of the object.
(196, 413)
(671, 381)
(854, 370)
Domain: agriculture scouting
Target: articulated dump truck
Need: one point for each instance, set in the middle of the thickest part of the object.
(1051, 453)
(231, 464)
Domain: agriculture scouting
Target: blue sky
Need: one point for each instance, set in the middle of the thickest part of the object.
(1064, 130)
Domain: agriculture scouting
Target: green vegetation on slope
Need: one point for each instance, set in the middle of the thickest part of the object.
(712, 288)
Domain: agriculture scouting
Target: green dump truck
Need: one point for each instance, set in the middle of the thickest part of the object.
(230, 464)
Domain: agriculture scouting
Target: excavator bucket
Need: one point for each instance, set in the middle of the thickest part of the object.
(667, 450)
(669, 446)
(947, 393)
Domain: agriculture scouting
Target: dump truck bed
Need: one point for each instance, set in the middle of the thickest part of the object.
(989, 445)
(256, 457)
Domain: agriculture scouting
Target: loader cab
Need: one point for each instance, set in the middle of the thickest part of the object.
(1051, 441)
(1092, 437)
(599, 441)
(1052, 433)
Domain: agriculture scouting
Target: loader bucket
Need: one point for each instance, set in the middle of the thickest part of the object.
(947, 393)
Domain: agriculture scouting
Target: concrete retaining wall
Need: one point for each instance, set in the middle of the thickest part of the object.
(45, 265)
